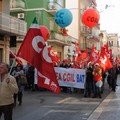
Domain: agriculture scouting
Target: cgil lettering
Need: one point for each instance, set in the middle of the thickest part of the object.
(59, 21)
(68, 77)
(58, 14)
(92, 19)
(59, 18)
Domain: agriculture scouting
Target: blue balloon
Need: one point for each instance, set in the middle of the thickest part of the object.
(63, 17)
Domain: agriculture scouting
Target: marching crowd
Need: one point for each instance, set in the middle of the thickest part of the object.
(94, 83)
(95, 77)
(13, 84)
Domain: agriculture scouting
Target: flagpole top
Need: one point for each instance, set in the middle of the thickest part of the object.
(35, 21)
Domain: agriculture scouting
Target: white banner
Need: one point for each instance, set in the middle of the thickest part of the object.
(70, 77)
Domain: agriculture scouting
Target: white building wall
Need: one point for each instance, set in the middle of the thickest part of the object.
(72, 5)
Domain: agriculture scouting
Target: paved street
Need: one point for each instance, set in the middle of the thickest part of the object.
(109, 109)
(45, 105)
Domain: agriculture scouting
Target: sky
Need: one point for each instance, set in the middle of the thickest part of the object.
(109, 17)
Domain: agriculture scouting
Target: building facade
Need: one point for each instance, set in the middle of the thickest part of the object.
(44, 11)
(85, 36)
(113, 40)
(9, 28)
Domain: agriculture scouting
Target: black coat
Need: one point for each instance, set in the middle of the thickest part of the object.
(89, 75)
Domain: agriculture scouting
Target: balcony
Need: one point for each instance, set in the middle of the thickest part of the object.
(53, 7)
(85, 31)
(17, 6)
(12, 26)
(60, 39)
(94, 38)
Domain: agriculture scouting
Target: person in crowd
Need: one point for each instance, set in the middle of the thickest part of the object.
(97, 78)
(30, 74)
(89, 81)
(118, 68)
(109, 78)
(18, 73)
(64, 63)
(59, 63)
(25, 68)
(75, 64)
(114, 77)
(81, 65)
(68, 63)
(103, 80)
(117, 71)
(8, 87)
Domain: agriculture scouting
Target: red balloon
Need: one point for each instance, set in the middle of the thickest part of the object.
(90, 17)
(45, 32)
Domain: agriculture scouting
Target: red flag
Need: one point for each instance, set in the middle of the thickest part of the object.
(16, 58)
(106, 46)
(116, 60)
(110, 55)
(103, 49)
(77, 48)
(65, 32)
(53, 54)
(78, 57)
(35, 52)
(104, 61)
(94, 55)
(84, 55)
(107, 51)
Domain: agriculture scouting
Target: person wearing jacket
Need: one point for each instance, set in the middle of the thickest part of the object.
(97, 78)
(17, 73)
(114, 77)
(89, 80)
(8, 87)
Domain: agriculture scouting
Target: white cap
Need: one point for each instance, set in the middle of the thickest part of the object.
(88, 64)
(97, 64)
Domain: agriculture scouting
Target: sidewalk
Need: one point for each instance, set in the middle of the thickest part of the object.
(109, 109)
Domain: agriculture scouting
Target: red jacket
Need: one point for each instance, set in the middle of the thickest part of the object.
(97, 75)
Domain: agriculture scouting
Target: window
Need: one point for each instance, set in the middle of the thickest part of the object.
(110, 43)
(12, 41)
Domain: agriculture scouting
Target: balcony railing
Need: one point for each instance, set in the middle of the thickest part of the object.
(85, 31)
(12, 25)
(60, 39)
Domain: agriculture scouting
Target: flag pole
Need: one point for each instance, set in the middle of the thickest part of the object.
(12, 66)
(12, 63)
